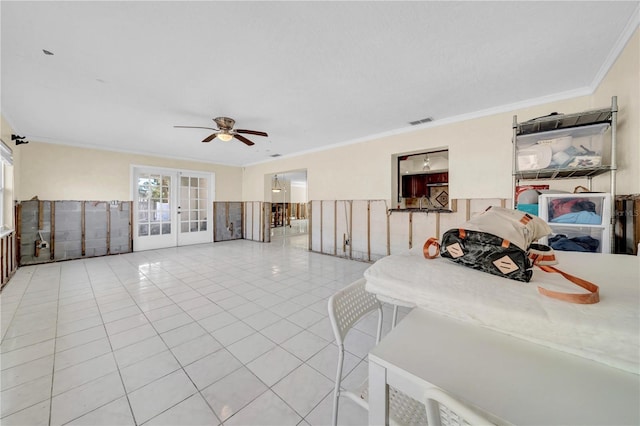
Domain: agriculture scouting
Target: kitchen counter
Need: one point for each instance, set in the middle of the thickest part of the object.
(418, 210)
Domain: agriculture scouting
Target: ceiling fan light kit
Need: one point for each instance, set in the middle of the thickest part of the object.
(223, 136)
(225, 131)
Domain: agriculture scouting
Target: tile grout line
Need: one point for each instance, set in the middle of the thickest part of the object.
(55, 342)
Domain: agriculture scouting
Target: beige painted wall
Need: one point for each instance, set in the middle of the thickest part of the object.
(60, 172)
(623, 80)
(479, 149)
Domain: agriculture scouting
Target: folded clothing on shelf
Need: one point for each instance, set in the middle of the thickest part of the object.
(585, 217)
(583, 243)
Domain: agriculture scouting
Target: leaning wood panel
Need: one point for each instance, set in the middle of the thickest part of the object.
(378, 216)
(96, 232)
(360, 230)
(399, 232)
(310, 228)
(424, 227)
(8, 257)
(315, 225)
(53, 231)
(328, 227)
(83, 227)
(69, 230)
(343, 223)
(265, 218)
(108, 213)
(120, 218)
(35, 232)
(257, 219)
(4, 265)
(227, 220)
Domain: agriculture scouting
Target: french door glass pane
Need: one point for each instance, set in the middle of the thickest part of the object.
(154, 209)
(193, 203)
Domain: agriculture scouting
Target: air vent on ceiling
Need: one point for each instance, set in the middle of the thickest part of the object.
(275, 155)
(421, 121)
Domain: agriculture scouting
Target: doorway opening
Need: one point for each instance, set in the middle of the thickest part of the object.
(287, 192)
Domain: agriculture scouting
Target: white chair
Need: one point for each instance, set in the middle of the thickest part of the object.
(346, 307)
(443, 409)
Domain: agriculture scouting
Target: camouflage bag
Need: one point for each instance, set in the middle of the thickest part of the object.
(500, 241)
(487, 253)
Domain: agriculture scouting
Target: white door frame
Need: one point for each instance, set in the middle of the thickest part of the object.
(139, 243)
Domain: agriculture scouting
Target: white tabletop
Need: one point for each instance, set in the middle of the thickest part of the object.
(521, 382)
(608, 331)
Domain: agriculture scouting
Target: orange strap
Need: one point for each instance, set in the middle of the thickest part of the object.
(584, 298)
(425, 248)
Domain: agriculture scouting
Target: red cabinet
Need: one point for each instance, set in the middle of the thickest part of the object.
(416, 186)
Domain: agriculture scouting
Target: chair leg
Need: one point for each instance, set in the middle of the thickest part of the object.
(394, 317)
(336, 390)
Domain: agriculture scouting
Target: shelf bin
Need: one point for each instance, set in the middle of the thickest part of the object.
(567, 149)
(582, 209)
(578, 238)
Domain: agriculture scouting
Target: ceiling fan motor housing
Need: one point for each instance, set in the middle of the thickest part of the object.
(225, 123)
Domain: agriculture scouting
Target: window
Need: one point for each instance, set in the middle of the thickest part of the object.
(6, 202)
(422, 179)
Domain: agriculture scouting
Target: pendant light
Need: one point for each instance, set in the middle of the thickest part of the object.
(426, 164)
(276, 185)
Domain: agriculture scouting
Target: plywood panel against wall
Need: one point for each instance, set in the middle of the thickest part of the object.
(34, 225)
(343, 228)
(398, 232)
(247, 221)
(256, 222)
(423, 227)
(360, 230)
(96, 228)
(315, 225)
(227, 221)
(329, 236)
(120, 228)
(378, 215)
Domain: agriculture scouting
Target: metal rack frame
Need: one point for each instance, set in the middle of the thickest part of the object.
(566, 121)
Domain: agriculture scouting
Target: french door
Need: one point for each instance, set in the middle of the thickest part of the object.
(171, 208)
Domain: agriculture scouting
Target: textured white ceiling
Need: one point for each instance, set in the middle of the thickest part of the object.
(311, 74)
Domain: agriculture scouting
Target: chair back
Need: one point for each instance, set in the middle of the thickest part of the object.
(443, 409)
(350, 304)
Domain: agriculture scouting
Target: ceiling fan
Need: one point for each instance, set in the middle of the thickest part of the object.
(226, 132)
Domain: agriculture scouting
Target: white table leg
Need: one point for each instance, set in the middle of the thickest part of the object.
(378, 395)
(394, 317)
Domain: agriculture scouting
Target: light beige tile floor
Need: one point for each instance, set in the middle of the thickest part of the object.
(234, 333)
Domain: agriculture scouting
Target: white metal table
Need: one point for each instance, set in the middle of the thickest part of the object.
(516, 381)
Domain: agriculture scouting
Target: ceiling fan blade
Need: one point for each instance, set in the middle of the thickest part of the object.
(210, 138)
(243, 139)
(251, 132)
(195, 127)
